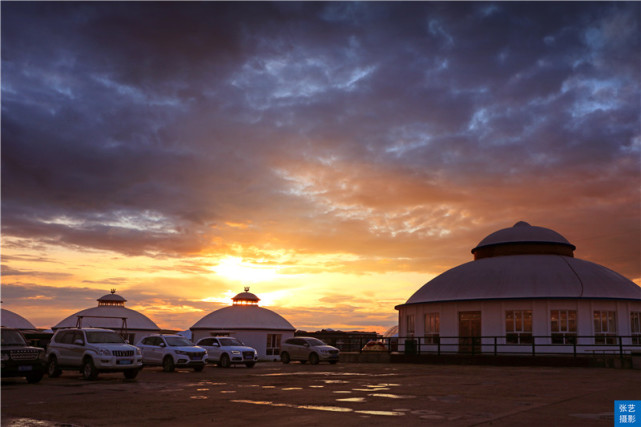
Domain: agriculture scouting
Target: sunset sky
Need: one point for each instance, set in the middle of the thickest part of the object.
(332, 156)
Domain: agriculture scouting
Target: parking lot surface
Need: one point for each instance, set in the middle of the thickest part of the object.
(345, 394)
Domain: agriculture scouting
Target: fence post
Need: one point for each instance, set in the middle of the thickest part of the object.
(533, 345)
(621, 347)
(494, 346)
(574, 345)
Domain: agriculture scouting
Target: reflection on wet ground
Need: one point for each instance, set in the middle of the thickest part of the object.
(319, 407)
(29, 422)
(351, 399)
(329, 374)
(391, 396)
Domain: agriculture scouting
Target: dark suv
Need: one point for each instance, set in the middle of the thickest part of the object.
(19, 359)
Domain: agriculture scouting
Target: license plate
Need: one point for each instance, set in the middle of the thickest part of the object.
(198, 357)
(125, 362)
(24, 368)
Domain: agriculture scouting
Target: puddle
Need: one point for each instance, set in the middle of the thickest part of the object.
(248, 385)
(316, 386)
(335, 382)
(202, 389)
(327, 374)
(351, 399)
(198, 397)
(269, 386)
(388, 413)
(228, 391)
(432, 417)
(30, 422)
(391, 396)
(318, 407)
(292, 388)
(371, 389)
(342, 392)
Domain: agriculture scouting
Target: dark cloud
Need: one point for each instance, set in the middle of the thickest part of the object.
(377, 129)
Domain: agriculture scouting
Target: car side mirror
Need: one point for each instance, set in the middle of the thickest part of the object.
(162, 344)
(306, 344)
(216, 344)
(78, 342)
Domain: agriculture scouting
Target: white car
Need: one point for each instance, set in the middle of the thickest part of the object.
(172, 351)
(226, 351)
(307, 349)
(90, 351)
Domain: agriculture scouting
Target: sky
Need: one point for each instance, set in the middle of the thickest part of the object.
(332, 156)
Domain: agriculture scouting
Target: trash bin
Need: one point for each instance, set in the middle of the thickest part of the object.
(410, 346)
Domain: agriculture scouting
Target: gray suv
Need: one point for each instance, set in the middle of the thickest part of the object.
(90, 351)
(308, 349)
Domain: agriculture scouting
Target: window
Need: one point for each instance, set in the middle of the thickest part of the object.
(518, 326)
(563, 326)
(605, 329)
(432, 326)
(273, 345)
(410, 325)
(635, 327)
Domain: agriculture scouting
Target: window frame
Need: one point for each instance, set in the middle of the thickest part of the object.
(518, 327)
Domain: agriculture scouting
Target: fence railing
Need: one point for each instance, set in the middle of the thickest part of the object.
(574, 345)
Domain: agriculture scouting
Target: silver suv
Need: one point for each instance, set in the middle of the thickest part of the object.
(226, 351)
(171, 351)
(308, 348)
(90, 351)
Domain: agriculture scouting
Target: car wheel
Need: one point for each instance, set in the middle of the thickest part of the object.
(284, 357)
(130, 374)
(199, 368)
(168, 364)
(53, 370)
(224, 361)
(313, 359)
(34, 378)
(89, 371)
(250, 364)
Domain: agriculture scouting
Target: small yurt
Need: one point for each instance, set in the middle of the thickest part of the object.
(111, 313)
(15, 321)
(255, 326)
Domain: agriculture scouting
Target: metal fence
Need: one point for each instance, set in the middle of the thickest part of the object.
(579, 345)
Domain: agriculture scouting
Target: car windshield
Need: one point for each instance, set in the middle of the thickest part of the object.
(12, 338)
(230, 341)
(102, 337)
(178, 341)
(314, 342)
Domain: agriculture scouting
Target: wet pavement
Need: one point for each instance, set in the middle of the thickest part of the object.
(345, 394)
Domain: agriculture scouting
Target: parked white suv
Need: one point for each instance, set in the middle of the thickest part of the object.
(308, 349)
(226, 351)
(90, 351)
(172, 351)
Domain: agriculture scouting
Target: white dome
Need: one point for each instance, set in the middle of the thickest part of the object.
(13, 320)
(527, 276)
(243, 317)
(135, 320)
(522, 232)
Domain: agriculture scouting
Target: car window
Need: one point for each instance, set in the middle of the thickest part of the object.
(314, 341)
(98, 337)
(147, 341)
(291, 341)
(78, 336)
(12, 338)
(178, 341)
(65, 337)
(230, 342)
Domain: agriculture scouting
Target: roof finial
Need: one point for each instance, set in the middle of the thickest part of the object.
(246, 288)
(113, 290)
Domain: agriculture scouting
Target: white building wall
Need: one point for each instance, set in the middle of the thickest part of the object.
(493, 322)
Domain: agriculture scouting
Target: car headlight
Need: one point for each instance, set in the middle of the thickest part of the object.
(138, 352)
(235, 352)
(104, 352)
(184, 353)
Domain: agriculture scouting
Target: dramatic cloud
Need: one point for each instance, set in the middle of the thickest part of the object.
(149, 142)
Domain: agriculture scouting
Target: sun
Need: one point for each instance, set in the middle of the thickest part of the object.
(235, 268)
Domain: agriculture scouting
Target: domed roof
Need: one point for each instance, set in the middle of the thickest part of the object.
(109, 314)
(522, 232)
(243, 317)
(246, 297)
(13, 320)
(527, 276)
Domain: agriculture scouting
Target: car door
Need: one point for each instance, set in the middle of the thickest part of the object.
(63, 344)
(208, 344)
(77, 348)
(214, 349)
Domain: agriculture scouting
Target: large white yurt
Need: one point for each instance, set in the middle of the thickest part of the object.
(111, 313)
(15, 321)
(255, 326)
(524, 292)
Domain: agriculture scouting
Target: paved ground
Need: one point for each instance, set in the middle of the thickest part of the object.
(344, 394)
